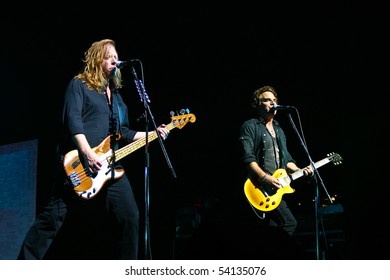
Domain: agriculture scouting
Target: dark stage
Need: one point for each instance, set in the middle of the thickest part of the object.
(329, 60)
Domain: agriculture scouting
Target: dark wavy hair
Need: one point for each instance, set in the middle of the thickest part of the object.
(257, 95)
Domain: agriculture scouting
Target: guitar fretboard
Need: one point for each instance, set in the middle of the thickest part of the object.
(128, 149)
(299, 173)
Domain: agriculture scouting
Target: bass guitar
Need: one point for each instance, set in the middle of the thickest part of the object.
(264, 198)
(87, 184)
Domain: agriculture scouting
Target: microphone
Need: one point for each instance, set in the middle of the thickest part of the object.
(121, 64)
(277, 107)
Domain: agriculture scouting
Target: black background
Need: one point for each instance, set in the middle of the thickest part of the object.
(329, 60)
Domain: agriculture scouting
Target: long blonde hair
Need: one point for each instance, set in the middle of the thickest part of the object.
(93, 72)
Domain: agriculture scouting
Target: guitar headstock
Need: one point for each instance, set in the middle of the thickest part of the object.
(180, 120)
(335, 158)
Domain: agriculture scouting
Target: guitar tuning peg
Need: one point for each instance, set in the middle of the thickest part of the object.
(187, 111)
(172, 113)
(182, 111)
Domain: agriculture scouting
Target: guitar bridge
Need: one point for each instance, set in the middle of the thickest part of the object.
(74, 179)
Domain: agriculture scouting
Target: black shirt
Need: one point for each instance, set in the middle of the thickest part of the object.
(254, 142)
(88, 112)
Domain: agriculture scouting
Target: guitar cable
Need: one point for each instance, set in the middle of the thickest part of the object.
(257, 212)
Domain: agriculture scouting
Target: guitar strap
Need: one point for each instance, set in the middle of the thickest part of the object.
(115, 128)
(117, 115)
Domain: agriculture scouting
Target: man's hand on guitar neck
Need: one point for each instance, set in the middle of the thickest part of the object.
(308, 171)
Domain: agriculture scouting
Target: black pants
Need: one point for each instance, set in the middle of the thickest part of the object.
(115, 201)
(282, 217)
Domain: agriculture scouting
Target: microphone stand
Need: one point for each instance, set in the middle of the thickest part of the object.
(316, 176)
(148, 116)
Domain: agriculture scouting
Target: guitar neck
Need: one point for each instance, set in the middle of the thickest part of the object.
(299, 173)
(128, 149)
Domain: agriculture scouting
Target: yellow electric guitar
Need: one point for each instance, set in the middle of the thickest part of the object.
(264, 198)
(87, 184)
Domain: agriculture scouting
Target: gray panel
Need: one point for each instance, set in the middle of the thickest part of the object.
(18, 165)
